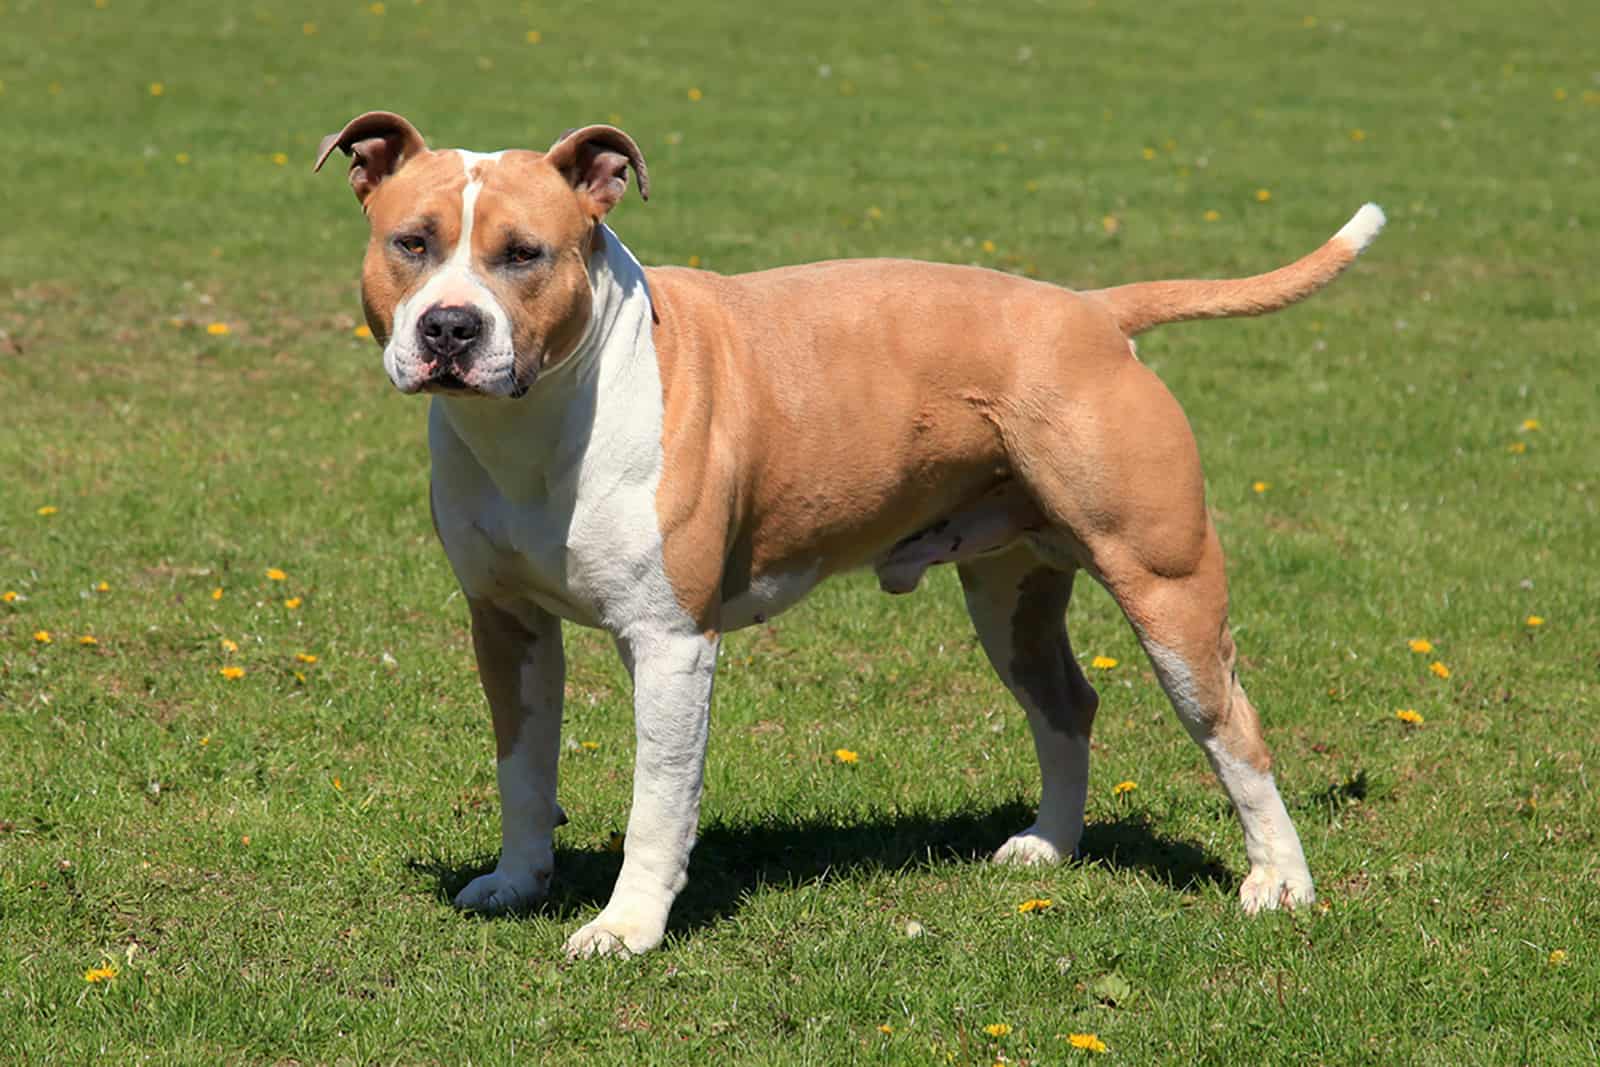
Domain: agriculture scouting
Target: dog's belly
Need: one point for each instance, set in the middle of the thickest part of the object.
(768, 596)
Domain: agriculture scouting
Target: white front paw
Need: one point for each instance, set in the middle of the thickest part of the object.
(616, 935)
(501, 891)
(1031, 848)
(1267, 889)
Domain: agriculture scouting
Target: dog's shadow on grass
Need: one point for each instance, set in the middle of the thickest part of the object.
(732, 860)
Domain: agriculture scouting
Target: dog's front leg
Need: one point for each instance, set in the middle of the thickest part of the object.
(672, 676)
(521, 666)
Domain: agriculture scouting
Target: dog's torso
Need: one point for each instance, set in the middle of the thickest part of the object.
(727, 442)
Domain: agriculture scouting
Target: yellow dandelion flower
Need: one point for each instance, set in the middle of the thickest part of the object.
(216, 594)
(305, 657)
(1409, 716)
(1036, 904)
(100, 974)
(1420, 644)
(1111, 224)
(232, 674)
(997, 1029)
(1517, 448)
(533, 37)
(1535, 620)
(1260, 487)
(363, 331)
(275, 575)
(102, 587)
(88, 639)
(885, 1028)
(1263, 195)
(292, 603)
(696, 95)
(377, 9)
(1091, 1042)
(694, 261)
(1149, 153)
(874, 212)
(1530, 424)
(229, 645)
(1439, 668)
(308, 28)
(1103, 663)
(48, 510)
(988, 246)
(1559, 94)
(300, 676)
(338, 784)
(1123, 788)
(1212, 215)
(218, 329)
(156, 88)
(9, 596)
(182, 158)
(1031, 185)
(845, 755)
(1557, 957)
(280, 158)
(589, 746)
(43, 637)
(206, 740)
(1358, 135)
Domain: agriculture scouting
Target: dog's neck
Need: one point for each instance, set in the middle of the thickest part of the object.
(537, 444)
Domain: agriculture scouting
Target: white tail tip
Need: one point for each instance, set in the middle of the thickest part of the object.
(1363, 226)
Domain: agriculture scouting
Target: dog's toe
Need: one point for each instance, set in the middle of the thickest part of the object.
(1267, 889)
(497, 892)
(1029, 849)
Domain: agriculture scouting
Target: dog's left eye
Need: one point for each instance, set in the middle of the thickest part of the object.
(411, 245)
(522, 255)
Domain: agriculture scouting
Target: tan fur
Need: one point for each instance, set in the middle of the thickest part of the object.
(822, 418)
(1143, 305)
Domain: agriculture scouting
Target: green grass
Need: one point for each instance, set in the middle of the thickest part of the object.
(190, 829)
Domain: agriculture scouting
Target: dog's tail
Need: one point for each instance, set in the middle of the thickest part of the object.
(1142, 305)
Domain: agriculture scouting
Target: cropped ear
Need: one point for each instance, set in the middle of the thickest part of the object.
(595, 159)
(377, 143)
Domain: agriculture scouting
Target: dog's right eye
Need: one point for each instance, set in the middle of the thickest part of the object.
(412, 245)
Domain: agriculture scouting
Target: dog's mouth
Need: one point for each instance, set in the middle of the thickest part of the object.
(447, 380)
(450, 380)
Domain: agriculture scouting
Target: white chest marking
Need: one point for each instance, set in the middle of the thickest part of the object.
(551, 497)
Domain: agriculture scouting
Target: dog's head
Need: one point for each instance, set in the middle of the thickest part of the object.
(476, 277)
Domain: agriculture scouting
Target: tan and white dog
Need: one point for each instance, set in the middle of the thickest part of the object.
(670, 454)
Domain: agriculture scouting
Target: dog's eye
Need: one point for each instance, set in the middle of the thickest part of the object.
(411, 245)
(522, 255)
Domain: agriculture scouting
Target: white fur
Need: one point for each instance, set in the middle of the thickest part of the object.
(767, 597)
(550, 500)
(1363, 227)
(1278, 872)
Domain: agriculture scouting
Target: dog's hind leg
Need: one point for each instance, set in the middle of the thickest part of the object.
(1182, 622)
(1018, 606)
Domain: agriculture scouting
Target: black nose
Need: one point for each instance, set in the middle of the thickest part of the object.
(448, 331)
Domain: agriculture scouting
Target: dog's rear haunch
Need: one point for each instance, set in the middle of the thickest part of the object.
(670, 454)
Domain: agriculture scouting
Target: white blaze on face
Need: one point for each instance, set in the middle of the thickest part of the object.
(490, 366)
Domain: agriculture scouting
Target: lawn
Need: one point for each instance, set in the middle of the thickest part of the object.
(206, 468)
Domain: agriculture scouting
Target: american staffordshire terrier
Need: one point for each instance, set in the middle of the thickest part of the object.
(671, 454)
